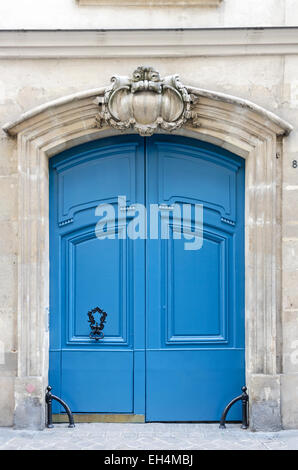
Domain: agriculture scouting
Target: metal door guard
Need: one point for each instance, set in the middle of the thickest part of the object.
(49, 398)
(244, 398)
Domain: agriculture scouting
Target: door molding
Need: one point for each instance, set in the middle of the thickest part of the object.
(229, 122)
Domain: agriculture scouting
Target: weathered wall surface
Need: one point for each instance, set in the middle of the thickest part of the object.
(8, 272)
(67, 14)
(289, 382)
(268, 80)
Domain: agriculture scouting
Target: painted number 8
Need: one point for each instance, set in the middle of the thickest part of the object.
(294, 164)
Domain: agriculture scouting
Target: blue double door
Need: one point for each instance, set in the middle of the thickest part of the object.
(173, 346)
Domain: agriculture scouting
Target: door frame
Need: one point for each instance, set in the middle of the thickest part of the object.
(232, 123)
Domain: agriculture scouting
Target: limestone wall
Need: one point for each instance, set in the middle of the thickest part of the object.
(67, 14)
(268, 80)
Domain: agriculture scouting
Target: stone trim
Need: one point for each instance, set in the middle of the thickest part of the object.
(148, 43)
(232, 123)
(150, 3)
(15, 127)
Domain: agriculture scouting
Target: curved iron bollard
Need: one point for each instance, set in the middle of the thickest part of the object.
(49, 398)
(244, 398)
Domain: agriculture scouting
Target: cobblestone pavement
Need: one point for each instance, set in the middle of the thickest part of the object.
(151, 436)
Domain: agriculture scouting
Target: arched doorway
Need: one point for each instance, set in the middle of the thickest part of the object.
(173, 346)
(232, 123)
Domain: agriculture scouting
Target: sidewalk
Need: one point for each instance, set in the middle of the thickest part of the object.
(149, 436)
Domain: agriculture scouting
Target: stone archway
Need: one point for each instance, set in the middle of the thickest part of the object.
(232, 123)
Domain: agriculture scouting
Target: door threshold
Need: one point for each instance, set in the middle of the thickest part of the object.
(100, 418)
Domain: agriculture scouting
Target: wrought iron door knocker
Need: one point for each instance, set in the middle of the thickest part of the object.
(96, 328)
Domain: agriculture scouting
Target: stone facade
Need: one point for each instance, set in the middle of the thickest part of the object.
(59, 74)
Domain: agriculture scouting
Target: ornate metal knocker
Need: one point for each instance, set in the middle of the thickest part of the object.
(96, 329)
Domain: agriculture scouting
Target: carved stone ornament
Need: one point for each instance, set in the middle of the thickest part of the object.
(146, 102)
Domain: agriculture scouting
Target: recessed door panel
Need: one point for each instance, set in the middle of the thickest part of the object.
(194, 281)
(106, 173)
(178, 178)
(95, 269)
(98, 381)
(192, 385)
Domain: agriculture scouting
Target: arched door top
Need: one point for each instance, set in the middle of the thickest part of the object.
(146, 103)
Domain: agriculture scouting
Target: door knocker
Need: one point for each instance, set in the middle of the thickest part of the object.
(96, 329)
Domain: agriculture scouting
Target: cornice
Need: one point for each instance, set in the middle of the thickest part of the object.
(43, 44)
(146, 3)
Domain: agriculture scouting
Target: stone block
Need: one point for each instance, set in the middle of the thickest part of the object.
(29, 403)
(264, 402)
(290, 341)
(6, 400)
(289, 401)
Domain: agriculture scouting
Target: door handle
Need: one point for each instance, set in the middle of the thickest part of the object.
(97, 327)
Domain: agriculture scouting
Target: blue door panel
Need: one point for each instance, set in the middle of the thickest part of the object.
(195, 301)
(139, 381)
(192, 385)
(186, 174)
(174, 335)
(87, 272)
(103, 379)
(94, 176)
(184, 289)
(54, 377)
(88, 284)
